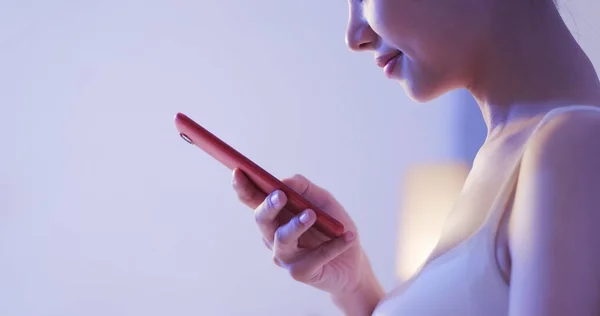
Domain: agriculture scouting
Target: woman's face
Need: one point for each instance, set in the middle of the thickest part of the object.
(429, 46)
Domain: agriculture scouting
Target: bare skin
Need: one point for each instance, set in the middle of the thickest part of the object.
(519, 61)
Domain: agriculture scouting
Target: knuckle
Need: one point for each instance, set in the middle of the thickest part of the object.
(280, 234)
(297, 273)
(279, 258)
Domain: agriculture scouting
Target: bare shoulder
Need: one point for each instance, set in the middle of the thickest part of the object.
(561, 163)
(570, 137)
(555, 222)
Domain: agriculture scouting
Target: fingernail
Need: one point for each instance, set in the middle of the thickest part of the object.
(305, 217)
(274, 199)
(350, 236)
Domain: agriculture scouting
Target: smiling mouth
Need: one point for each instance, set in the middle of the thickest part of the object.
(383, 61)
(388, 62)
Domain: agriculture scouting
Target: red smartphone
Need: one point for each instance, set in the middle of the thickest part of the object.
(195, 134)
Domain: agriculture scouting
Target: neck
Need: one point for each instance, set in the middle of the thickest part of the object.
(531, 64)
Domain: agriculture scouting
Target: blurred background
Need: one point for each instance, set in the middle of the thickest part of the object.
(104, 210)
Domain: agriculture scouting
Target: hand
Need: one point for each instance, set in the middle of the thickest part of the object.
(337, 266)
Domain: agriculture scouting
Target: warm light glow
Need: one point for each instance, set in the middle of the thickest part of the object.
(429, 192)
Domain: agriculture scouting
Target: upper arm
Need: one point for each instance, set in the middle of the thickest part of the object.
(554, 230)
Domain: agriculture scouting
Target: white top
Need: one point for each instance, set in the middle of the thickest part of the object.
(463, 278)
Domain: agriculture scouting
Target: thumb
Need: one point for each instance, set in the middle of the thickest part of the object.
(312, 262)
(308, 190)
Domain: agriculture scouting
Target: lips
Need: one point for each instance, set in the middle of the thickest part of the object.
(388, 62)
(383, 60)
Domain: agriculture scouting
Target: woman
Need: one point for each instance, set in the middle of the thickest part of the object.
(522, 238)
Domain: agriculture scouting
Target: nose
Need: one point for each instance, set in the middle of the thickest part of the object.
(359, 35)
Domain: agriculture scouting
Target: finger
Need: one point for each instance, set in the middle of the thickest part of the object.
(314, 193)
(266, 214)
(246, 191)
(309, 190)
(313, 261)
(267, 244)
(277, 262)
(270, 247)
(286, 236)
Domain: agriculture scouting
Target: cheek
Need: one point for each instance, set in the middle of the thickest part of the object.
(383, 16)
(395, 21)
(431, 52)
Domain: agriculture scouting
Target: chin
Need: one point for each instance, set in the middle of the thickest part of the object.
(423, 92)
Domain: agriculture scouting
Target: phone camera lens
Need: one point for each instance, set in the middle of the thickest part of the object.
(187, 139)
